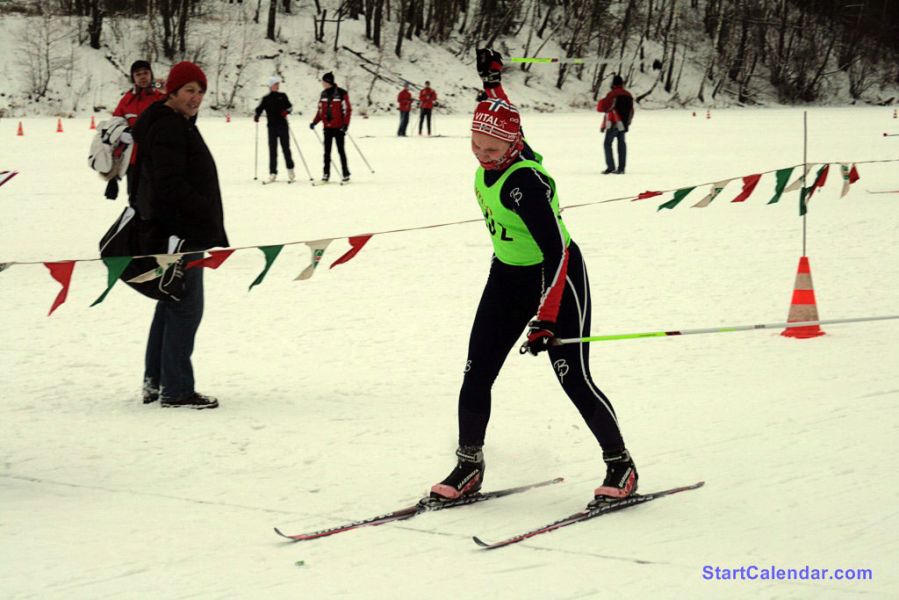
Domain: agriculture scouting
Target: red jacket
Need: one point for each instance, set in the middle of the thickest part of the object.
(133, 104)
(339, 102)
(611, 105)
(404, 98)
(427, 97)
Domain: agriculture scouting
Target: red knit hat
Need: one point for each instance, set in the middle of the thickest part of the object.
(498, 119)
(182, 74)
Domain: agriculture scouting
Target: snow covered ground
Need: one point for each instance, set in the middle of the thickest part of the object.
(338, 394)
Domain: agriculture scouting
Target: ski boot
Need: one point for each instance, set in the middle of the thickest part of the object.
(621, 478)
(466, 478)
(149, 392)
(291, 176)
(272, 178)
(191, 400)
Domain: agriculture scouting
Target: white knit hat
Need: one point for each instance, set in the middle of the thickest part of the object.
(273, 80)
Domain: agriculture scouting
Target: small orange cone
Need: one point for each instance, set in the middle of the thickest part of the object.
(93, 124)
(803, 306)
(708, 114)
(58, 125)
(227, 117)
(895, 114)
(21, 131)
(694, 113)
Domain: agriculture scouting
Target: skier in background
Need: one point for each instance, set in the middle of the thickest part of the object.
(142, 94)
(619, 108)
(426, 99)
(537, 272)
(404, 100)
(334, 112)
(276, 106)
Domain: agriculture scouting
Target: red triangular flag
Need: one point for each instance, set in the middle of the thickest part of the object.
(749, 183)
(647, 194)
(853, 175)
(357, 242)
(213, 261)
(61, 272)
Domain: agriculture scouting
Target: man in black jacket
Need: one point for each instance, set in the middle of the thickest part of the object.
(178, 196)
(276, 106)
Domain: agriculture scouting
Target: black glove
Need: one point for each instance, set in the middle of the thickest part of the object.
(482, 95)
(540, 337)
(172, 282)
(256, 118)
(312, 125)
(112, 189)
(490, 66)
(344, 128)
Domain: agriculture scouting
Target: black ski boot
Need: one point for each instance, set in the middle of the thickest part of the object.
(192, 400)
(150, 392)
(466, 478)
(621, 477)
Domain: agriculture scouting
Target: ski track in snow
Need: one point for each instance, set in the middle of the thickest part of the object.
(338, 394)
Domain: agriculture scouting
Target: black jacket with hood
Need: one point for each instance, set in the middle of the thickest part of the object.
(177, 191)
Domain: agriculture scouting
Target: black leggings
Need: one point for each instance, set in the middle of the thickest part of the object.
(278, 133)
(510, 299)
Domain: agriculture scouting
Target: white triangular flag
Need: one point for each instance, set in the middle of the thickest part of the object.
(163, 262)
(713, 193)
(318, 250)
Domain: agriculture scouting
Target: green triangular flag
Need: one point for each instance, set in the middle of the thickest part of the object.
(802, 194)
(679, 195)
(115, 266)
(271, 253)
(783, 175)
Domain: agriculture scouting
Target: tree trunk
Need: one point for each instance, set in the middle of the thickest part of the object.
(96, 25)
(272, 14)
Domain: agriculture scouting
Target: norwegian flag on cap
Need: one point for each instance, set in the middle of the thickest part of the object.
(498, 119)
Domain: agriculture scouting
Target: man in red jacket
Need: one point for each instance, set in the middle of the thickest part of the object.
(619, 108)
(334, 112)
(134, 102)
(404, 99)
(426, 99)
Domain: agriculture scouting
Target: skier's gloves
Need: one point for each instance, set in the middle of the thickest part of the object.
(490, 66)
(284, 113)
(540, 334)
(311, 125)
(172, 283)
(344, 128)
(256, 118)
(126, 138)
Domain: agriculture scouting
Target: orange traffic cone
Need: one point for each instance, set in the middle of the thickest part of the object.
(21, 131)
(803, 306)
(58, 125)
(895, 114)
(708, 114)
(694, 113)
(93, 124)
(227, 117)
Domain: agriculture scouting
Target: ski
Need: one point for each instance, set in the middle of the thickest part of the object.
(422, 506)
(588, 513)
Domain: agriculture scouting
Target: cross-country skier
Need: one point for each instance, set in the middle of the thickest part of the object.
(276, 106)
(334, 111)
(537, 269)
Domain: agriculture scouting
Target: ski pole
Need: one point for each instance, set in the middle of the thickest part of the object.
(256, 158)
(647, 334)
(359, 151)
(302, 158)
(321, 141)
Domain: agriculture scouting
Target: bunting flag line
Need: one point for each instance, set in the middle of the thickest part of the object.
(782, 176)
(801, 179)
(163, 262)
(749, 183)
(317, 248)
(213, 261)
(61, 272)
(115, 265)
(271, 253)
(850, 176)
(5, 265)
(356, 243)
(716, 189)
(679, 195)
(7, 175)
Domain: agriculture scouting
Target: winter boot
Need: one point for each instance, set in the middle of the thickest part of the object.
(149, 392)
(291, 176)
(192, 400)
(621, 477)
(466, 478)
(326, 177)
(608, 171)
(272, 178)
(345, 178)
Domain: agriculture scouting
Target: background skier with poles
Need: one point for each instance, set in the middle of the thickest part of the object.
(334, 111)
(536, 270)
(276, 106)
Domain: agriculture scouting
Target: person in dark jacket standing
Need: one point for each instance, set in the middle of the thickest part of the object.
(404, 100)
(276, 106)
(334, 112)
(178, 196)
(619, 108)
(426, 99)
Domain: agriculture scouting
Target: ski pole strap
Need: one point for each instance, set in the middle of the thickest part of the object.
(648, 334)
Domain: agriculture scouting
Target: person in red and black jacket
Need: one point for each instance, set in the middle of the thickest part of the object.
(404, 100)
(619, 108)
(134, 102)
(426, 99)
(334, 112)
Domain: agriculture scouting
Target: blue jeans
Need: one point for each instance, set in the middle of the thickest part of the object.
(167, 363)
(404, 122)
(612, 133)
